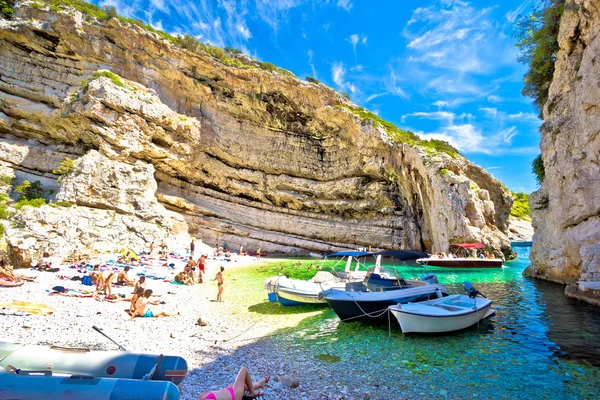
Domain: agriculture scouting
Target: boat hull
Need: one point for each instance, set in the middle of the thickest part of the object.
(372, 306)
(415, 321)
(35, 387)
(291, 298)
(461, 262)
(292, 292)
(111, 364)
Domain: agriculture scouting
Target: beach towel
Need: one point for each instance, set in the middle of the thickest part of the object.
(178, 283)
(32, 308)
(129, 254)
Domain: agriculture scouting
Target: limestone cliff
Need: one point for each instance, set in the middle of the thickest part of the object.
(246, 156)
(566, 208)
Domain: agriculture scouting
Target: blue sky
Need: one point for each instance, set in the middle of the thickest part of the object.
(443, 69)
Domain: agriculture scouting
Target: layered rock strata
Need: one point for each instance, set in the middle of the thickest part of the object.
(566, 208)
(243, 155)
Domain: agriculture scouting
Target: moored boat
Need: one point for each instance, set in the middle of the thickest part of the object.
(447, 314)
(457, 258)
(294, 292)
(369, 300)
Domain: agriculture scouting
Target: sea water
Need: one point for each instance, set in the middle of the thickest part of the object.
(539, 344)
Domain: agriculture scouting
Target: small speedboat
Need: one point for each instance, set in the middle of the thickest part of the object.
(447, 314)
(369, 300)
(294, 292)
(458, 258)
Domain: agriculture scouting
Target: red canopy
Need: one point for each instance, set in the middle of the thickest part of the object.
(470, 245)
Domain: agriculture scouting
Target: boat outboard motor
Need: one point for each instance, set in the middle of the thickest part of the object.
(471, 291)
(430, 278)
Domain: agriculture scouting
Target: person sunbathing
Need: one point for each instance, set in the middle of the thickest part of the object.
(123, 280)
(243, 383)
(183, 278)
(142, 310)
(8, 275)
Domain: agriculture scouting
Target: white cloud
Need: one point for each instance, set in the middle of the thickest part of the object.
(435, 115)
(494, 99)
(345, 4)
(469, 139)
(374, 96)
(310, 55)
(490, 111)
(160, 5)
(355, 39)
(244, 31)
(337, 73)
(511, 16)
(441, 103)
(392, 85)
(451, 45)
(527, 117)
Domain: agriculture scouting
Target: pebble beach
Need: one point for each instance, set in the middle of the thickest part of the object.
(330, 359)
(215, 352)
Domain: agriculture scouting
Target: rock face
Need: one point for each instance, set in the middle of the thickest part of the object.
(519, 230)
(243, 155)
(566, 209)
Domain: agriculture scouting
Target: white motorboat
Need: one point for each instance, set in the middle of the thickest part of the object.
(294, 292)
(369, 300)
(447, 314)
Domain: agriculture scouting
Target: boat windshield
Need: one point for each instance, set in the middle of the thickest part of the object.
(337, 263)
(392, 265)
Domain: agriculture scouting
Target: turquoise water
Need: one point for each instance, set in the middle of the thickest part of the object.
(539, 345)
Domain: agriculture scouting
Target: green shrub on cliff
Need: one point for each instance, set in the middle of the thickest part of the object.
(537, 40)
(398, 135)
(6, 8)
(65, 167)
(520, 207)
(82, 6)
(116, 79)
(36, 203)
(30, 190)
(312, 80)
(537, 167)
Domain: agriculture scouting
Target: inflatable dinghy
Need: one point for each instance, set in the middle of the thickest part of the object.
(110, 364)
(35, 385)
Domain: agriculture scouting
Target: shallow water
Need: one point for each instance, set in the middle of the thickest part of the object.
(539, 344)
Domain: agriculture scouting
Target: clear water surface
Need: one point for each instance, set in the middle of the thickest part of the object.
(539, 344)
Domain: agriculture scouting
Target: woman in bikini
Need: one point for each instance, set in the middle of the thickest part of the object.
(243, 383)
(219, 279)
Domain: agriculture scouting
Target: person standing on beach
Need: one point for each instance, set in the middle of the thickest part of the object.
(258, 254)
(219, 279)
(201, 267)
(151, 248)
(192, 248)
